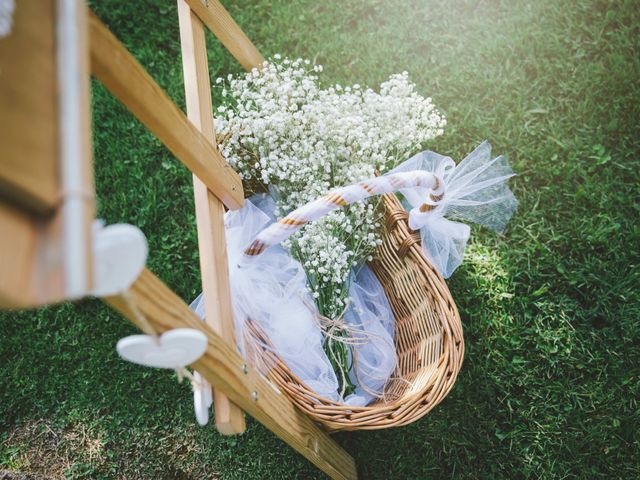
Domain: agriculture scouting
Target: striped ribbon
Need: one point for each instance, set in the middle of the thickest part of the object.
(287, 226)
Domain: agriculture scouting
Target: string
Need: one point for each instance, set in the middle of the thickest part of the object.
(68, 194)
(146, 327)
(140, 318)
(355, 336)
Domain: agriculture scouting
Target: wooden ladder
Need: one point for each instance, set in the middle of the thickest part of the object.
(71, 43)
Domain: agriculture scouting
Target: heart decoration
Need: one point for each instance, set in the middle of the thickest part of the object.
(202, 398)
(120, 253)
(173, 349)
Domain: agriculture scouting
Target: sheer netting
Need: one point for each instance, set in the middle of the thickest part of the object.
(370, 320)
(476, 191)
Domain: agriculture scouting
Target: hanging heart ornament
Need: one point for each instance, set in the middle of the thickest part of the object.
(173, 349)
(202, 398)
(120, 253)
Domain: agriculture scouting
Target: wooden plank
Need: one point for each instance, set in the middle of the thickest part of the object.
(28, 109)
(225, 369)
(18, 247)
(32, 259)
(116, 68)
(223, 26)
(214, 270)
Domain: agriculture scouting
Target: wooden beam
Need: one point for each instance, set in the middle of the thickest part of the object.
(116, 68)
(223, 26)
(31, 258)
(209, 210)
(29, 174)
(226, 370)
(18, 252)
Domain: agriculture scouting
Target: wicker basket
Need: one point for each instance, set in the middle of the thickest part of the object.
(428, 338)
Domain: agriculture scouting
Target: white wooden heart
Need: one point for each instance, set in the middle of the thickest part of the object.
(173, 349)
(202, 398)
(120, 253)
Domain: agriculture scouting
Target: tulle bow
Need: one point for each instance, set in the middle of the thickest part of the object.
(475, 191)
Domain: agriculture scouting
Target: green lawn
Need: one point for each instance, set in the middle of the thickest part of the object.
(551, 380)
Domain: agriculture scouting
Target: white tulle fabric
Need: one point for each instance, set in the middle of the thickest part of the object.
(370, 320)
(271, 290)
(476, 191)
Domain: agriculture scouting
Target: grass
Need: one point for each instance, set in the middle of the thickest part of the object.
(550, 384)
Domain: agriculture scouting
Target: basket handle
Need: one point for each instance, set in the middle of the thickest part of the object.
(340, 197)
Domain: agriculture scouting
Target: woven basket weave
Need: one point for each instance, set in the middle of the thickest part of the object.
(428, 339)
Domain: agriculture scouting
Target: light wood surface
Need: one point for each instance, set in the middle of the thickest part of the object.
(218, 20)
(17, 254)
(116, 68)
(31, 258)
(28, 109)
(225, 369)
(214, 270)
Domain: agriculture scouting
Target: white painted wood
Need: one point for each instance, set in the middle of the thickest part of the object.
(120, 254)
(176, 348)
(75, 148)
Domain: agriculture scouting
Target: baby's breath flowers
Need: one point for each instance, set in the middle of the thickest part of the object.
(287, 135)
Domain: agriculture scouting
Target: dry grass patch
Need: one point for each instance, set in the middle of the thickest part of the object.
(40, 448)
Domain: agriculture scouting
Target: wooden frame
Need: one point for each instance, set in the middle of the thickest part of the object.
(218, 20)
(238, 387)
(115, 67)
(209, 210)
(222, 366)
